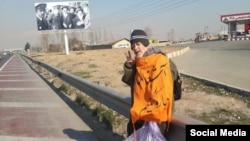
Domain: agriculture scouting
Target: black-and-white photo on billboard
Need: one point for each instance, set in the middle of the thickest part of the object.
(62, 15)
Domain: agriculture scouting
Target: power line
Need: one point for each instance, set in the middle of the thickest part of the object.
(120, 12)
(139, 13)
(132, 10)
(140, 16)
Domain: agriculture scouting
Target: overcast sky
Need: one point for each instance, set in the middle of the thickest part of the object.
(183, 18)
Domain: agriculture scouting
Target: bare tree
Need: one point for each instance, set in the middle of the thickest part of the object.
(59, 37)
(75, 41)
(99, 36)
(91, 37)
(45, 41)
(37, 49)
(27, 46)
(75, 35)
(54, 48)
(111, 36)
(96, 38)
(148, 30)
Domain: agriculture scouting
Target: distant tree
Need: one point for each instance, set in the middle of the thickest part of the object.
(111, 36)
(91, 37)
(148, 30)
(37, 49)
(44, 39)
(27, 46)
(99, 36)
(96, 41)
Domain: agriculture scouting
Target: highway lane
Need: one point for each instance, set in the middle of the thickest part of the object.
(220, 61)
(31, 110)
(4, 59)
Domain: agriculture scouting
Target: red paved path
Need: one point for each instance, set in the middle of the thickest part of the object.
(31, 111)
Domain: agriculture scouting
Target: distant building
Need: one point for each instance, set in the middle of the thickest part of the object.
(122, 43)
(233, 21)
(201, 37)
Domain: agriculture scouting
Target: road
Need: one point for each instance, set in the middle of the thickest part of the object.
(3, 60)
(31, 111)
(224, 62)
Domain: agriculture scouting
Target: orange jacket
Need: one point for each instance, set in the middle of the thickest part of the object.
(153, 89)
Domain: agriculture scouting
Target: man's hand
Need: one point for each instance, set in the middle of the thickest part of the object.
(130, 61)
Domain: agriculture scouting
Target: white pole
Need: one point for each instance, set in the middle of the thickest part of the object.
(66, 42)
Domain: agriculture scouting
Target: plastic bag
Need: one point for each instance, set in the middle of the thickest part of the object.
(150, 131)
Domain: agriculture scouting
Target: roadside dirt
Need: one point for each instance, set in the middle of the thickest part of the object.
(105, 67)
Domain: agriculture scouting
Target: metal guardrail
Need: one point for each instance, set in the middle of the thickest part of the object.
(114, 100)
(117, 101)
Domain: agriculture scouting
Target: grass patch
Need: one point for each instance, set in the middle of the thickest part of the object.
(83, 101)
(105, 115)
(108, 118)
(39, 69)
(82, 74)
(59, 65)
(223, 116)
(120, 72)
(92, 66)
(198, 85)
(65, 88)
(219, 115)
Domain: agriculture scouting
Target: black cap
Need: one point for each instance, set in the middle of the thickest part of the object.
(41, 6)
(65, 6)
(57, 7)
(139, 35)
(79, 9)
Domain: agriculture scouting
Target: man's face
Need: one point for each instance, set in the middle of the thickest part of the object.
(72, 10)
(80, 14)
(55, 11)
(86, 10)
(65, 10)
(138, 48)
(41, 12)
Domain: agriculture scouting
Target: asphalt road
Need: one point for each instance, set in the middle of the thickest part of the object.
(4, 59)
(221, 61)
(31, 110)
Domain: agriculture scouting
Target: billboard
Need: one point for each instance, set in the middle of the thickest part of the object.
(235, 17)
(62, 15)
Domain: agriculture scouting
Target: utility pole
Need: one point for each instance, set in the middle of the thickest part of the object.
(172, 34)
(206, 27)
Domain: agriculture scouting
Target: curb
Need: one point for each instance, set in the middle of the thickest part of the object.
(227, 87)
(238, 39)
(178, 53)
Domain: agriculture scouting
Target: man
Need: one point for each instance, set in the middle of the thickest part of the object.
(72, 12)
(54, 18)
(79, 20)
(42, 23)
(66, 18)
(149, 74)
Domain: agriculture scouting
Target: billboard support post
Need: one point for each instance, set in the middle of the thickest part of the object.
(66, 43)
